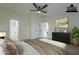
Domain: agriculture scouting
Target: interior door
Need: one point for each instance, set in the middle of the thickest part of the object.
(14, 29)
(44, 29)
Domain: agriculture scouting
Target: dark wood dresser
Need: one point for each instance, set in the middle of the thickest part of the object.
(61, 37)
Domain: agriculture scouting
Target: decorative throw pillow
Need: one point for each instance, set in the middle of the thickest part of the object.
(10, 48)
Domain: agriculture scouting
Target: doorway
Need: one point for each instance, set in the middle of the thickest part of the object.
(14, 29)
(44, 27)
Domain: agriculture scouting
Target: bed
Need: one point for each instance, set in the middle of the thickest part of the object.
(42, 46)
(49, 47)
(45, 48)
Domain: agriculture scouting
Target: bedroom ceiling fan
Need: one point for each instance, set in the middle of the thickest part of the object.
(39, 9)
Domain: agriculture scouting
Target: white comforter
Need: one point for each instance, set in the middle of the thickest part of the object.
(26, 49)
(56, 43)
(35, 49)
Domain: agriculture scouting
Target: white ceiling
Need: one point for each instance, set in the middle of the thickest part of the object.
(53, 8)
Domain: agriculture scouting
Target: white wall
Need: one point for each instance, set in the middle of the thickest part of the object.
(28, 24)
(6, 15)
(73, 20)
(34, 23)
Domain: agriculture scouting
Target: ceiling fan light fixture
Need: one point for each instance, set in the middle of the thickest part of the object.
(39, 12)
(39, 9)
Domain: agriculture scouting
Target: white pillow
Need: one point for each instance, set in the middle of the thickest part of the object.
(1, 46)
(1, 42)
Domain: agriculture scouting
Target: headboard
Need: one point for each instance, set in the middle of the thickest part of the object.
(2, 35)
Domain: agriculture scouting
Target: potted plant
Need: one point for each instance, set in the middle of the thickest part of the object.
(75, 35)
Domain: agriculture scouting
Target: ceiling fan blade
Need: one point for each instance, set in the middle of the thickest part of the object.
(33, 10)
(43, 11)
(36, 6)
(44, 6)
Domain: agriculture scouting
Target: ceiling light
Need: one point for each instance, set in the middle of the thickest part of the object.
(39, 12)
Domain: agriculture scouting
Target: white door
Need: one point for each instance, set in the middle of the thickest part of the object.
(14, 29)
(44, 29)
